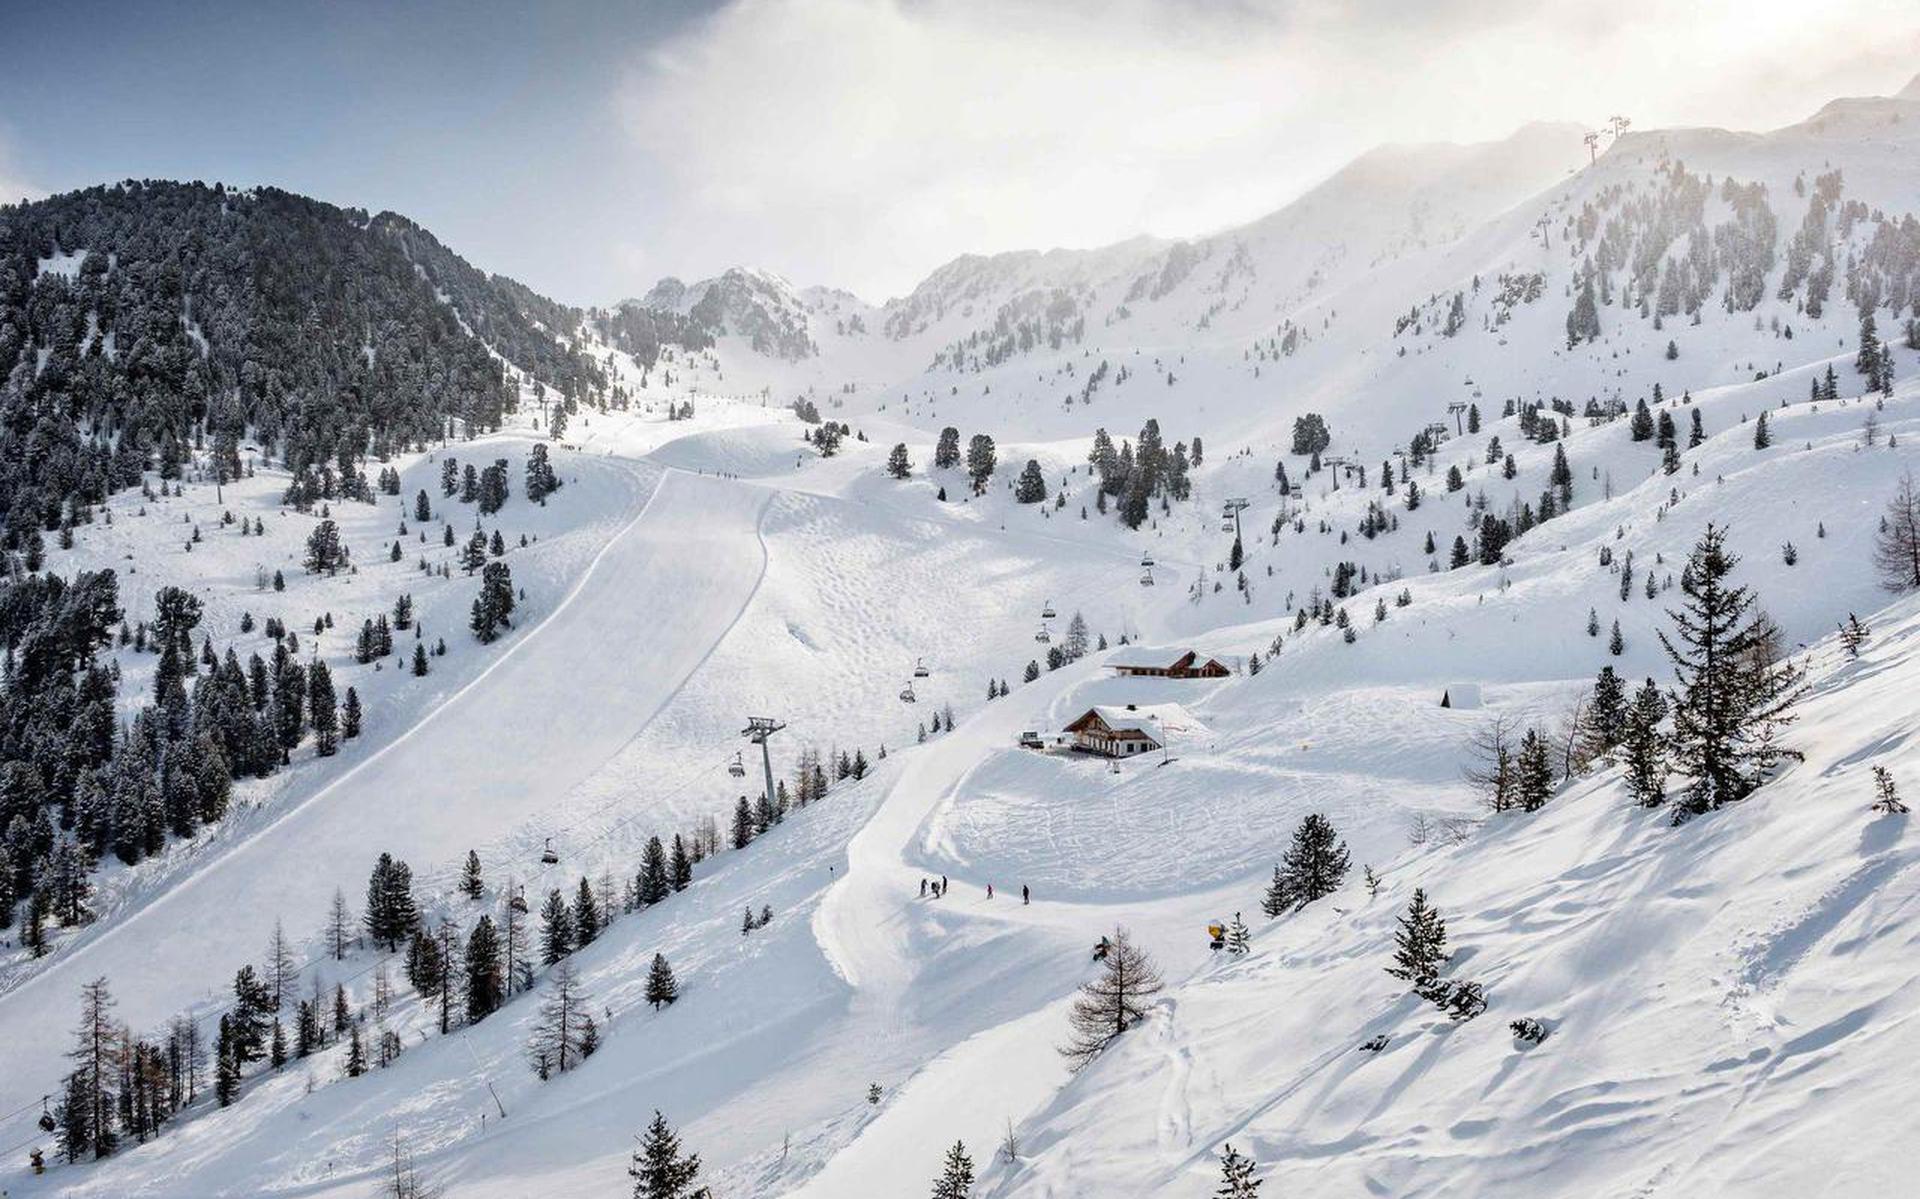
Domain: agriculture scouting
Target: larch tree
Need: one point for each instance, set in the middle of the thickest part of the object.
(1113, 1002)
(1896, 547)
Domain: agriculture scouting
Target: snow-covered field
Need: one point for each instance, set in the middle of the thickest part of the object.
(1722, 999)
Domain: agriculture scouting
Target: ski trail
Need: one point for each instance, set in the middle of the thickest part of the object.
(644, 615)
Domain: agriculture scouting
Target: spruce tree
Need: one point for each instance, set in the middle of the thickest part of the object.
(485, 981)
(556, 929)
(1420, 945)
(1533, 773)
(656, 883)
(1644, 747)
(1236, 1176)
(1732, 697)
(1313, 867)
(472, 885)
(955, 1180)
(662, 988)
(660, 1170)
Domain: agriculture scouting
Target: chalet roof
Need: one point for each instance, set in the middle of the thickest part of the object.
(1121, 717)
(1150, 657)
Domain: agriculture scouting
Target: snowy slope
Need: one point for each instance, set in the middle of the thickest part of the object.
(718, 567)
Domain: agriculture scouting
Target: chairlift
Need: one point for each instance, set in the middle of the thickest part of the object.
(906, 694)
(548, 856)
(46, 1117)
(1043, 637)
(519, 901)
(1047, 612)
(737, 768)
(1146, 578)
(1226, 526)
(920, 670)
(1146, 559)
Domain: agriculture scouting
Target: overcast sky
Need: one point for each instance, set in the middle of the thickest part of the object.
(590, 149)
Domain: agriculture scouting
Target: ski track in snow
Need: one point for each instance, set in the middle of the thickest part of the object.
(474, 756)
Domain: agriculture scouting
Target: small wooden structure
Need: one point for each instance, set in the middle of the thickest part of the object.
(1137, 662)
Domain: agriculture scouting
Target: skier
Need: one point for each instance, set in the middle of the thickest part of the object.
(923, 888)
(1025, 896)
(989, 890)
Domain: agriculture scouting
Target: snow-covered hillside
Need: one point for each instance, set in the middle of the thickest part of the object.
(1491, 521)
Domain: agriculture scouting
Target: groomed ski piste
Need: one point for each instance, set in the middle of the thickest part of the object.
(1723, 1000)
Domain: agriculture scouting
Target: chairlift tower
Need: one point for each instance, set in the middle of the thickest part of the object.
(758, 729)
(1456, 407)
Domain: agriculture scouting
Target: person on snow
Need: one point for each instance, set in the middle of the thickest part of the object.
(989, 890)
(923, 888)
(1025, 896)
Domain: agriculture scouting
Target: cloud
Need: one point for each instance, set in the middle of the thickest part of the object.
(862, 142)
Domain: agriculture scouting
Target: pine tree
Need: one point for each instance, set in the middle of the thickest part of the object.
(656, 880)
(586, 915)
(956, 1174)
(556, 929)
(1732, 697)
(1853, 635)
(680, 866)
(1604, 724)
(660, 1170)
(1886, 796)
(1236, 1176)
(1239, 940)
(898, 464)
(1031, 487)
(1761, 437)
(1112, 1003)
(356, 1063)
(1645, 748)
(484, 982)
(339, 926)
(742, 824)
(662, 988)
(1420, 945)
(1533, 773)
(1313, 867)
(472, 885)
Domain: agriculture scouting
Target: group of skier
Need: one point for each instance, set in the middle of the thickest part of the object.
(938, 887)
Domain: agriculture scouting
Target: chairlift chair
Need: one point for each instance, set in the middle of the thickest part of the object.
(920, 670)
(1043, 636)
(1146, 559)
(906, 693)
(1047, 612)
(519, 901)
(1146, 578)
(737, 768)
(548, 856)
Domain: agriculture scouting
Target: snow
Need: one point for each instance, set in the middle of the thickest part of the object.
(1722, 998)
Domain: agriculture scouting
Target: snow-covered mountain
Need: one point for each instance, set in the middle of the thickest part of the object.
(1491, 520)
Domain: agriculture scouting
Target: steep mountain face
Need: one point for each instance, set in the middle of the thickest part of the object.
(758, 307)
(137, 317)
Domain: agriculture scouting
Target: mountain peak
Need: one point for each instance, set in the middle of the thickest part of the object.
(1911, 91)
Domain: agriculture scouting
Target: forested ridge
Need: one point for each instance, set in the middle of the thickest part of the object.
(142, 318)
